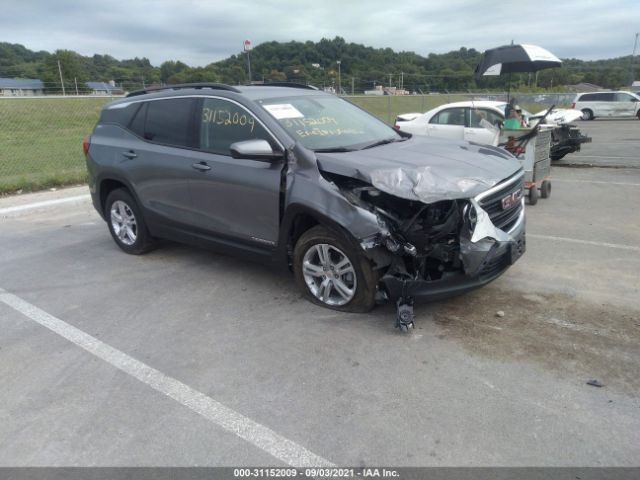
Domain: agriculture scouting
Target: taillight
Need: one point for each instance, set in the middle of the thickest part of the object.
(85, 144)
(396, 126)
(573, 104)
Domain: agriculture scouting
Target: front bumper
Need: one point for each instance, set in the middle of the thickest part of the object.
(498, 256)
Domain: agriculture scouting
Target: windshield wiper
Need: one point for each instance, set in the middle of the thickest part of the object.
(383, 142)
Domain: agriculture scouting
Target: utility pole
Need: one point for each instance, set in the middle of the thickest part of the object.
(75, 80)
(401, 80)
(631, 72)
(390, 80)
(353, 80)
(61, 80)
(339, 62)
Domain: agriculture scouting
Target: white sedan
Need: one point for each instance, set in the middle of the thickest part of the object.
(469, 120)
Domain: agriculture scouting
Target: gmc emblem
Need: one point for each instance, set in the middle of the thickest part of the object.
(511, 200)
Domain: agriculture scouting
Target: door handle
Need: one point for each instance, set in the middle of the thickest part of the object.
(202, 166)
(130, 154)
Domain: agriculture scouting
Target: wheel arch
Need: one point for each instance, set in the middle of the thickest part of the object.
(300, 218)
(108, 184)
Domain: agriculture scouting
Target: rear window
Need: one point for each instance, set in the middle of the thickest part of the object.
(171, 122)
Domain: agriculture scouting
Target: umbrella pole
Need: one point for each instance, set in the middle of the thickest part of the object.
(508, 87)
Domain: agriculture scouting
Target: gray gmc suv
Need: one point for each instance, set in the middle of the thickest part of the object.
(288, 174)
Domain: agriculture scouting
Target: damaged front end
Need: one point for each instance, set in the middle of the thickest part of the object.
(442, 248)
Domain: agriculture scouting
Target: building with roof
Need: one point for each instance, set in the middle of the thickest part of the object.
(104, 88)
(20, 87)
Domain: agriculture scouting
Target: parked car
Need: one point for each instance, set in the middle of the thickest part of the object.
(301, 178)
(464, 121)
(607, 104)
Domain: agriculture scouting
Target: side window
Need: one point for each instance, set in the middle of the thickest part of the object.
(450, 116)
(597, 97)
(170, 122)
(478, 114)
(223, 123)
(120, 116)
(625, 97)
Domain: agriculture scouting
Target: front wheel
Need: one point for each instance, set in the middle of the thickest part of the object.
(126, 223)
(332, 273)
(533, 195)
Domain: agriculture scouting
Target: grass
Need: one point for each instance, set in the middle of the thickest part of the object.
(41, 138)
(41, 141)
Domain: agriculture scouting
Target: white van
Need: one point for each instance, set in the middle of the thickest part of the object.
(607, 104)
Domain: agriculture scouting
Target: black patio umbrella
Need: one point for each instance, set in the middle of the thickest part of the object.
(515, 59)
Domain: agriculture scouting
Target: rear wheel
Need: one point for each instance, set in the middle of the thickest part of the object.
(545, 189)
(587, 114)
(332, 273)
(126, 224)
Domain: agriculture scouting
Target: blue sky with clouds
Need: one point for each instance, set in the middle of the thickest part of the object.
(201, 32)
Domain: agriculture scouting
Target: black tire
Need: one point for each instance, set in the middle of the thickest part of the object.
(545, 189)
(533, 195)
(363, 299)
(143, 241)
(587, 114)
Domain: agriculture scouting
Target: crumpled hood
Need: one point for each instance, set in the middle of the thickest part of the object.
(425, 169)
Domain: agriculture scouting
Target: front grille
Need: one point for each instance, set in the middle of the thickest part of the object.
(502, 218)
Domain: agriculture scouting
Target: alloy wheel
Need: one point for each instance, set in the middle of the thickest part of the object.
(329, 274)
(124, 223)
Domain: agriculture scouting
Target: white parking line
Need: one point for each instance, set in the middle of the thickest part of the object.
(258, 435)
(597, 181)
(43, 204)
(584, 242)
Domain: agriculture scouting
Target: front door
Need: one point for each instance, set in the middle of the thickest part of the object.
(231, 197)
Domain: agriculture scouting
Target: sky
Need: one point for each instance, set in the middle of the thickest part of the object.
(201, 32)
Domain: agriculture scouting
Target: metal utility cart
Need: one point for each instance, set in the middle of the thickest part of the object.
(532, 148)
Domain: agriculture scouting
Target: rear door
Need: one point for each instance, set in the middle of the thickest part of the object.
(158, 164)
(605, 104)
(476, 132)
(448, 123)
(235, 198)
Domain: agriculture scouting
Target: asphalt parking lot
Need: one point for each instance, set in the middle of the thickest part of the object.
(184, 357)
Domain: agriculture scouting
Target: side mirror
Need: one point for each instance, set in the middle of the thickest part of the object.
(254, 150)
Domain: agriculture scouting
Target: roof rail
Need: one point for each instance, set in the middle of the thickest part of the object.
(180, 86)
(284, 84)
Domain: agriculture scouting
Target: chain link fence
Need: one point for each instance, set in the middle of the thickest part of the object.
(41, 140)
(41, 137)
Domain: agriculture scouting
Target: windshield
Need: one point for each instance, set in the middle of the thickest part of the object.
(327, 123)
